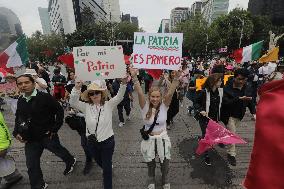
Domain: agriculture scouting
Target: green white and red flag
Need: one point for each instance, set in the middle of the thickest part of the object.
(15, 55)
(248, 53)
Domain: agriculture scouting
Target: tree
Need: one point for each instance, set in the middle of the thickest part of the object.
(45, 47)
(195, 32)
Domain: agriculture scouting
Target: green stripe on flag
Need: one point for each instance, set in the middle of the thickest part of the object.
(256, 50)
(22, 49)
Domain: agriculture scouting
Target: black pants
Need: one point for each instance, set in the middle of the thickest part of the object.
(33, 151)
(102, 152)
(203, 122)
(84, 144)
(173, 108)
(126, 105)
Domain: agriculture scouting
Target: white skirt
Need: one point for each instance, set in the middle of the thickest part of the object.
(163, 147)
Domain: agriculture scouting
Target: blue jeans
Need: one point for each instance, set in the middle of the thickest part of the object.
(102, 153)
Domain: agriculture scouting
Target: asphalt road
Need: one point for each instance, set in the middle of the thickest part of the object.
(187, 171)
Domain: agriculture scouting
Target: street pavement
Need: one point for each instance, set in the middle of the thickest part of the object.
(187, 170)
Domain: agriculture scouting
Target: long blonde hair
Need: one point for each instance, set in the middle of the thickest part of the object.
(149, 113)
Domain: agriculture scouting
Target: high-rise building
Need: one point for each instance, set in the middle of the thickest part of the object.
(272, 8)
(212, 9)
(134, 20)
(45, 21)
(178, 15)
(164, 26)
(66, 15)
(9, 22)
(112, 8)
(196, 8)
(129, 18)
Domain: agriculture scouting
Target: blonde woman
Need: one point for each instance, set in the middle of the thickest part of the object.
(98, 117)
(154, 114)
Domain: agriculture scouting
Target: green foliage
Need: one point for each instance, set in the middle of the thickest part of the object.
(45, 47)
(225, 31)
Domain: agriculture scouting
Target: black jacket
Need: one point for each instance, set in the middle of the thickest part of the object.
(232, 106)
(45, 113)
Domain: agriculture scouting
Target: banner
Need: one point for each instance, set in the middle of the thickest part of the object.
(157, 50)
(99, 62)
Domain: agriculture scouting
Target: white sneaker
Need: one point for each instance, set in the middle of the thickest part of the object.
(151, 186)
(128, 118)
(167, 186)
(121, 124)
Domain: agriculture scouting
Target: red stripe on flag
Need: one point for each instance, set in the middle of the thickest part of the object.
(238, 55)
(3, 62)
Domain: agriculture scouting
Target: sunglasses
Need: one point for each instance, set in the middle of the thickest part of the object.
(94, 93)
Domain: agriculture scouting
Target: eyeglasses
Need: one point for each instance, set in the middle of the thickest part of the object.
(94, 93)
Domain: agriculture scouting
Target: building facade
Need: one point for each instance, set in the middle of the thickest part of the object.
(67, 15)
(45, 21)
(9, 22)
(212, 9)
(112, 8)
(164, 26)
(178, 15)
(61, 14)
(129, 18)
(196, 8)
(272, 8)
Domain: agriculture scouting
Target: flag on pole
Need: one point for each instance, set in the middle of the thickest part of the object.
(67, 59)
(272, 55)
(248, 53)
(15, 55)
(216, 134)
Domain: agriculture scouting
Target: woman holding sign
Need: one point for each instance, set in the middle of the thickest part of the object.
(154, 132)
(98, 117)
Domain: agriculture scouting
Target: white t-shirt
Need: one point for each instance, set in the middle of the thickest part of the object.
(263, 70)
(161, 120)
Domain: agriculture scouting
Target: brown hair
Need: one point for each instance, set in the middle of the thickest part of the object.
(152, 89)
(212, 80)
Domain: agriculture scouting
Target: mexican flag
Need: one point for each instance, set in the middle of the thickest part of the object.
(248, 53)
(15, 55)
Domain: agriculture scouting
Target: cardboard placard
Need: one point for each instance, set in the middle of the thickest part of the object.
(157, 50)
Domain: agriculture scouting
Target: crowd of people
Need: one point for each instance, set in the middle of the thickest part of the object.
(89, 107)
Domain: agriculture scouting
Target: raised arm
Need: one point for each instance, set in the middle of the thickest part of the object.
(75, 96)
(137, 88)
(168, 97)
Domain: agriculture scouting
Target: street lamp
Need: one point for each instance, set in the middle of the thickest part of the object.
(242, 30)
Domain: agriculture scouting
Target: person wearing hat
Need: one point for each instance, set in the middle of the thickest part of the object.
(98, 117)
(41, 84)
(8, 170)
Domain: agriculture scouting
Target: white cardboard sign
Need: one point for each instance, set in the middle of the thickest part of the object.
(99, 62)
(157, 50)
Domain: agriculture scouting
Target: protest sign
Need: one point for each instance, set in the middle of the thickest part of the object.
(157, 50)
(226, 78)
(99, 62)
(199, 83)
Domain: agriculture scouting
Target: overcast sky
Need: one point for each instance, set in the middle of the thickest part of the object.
(149, 12)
